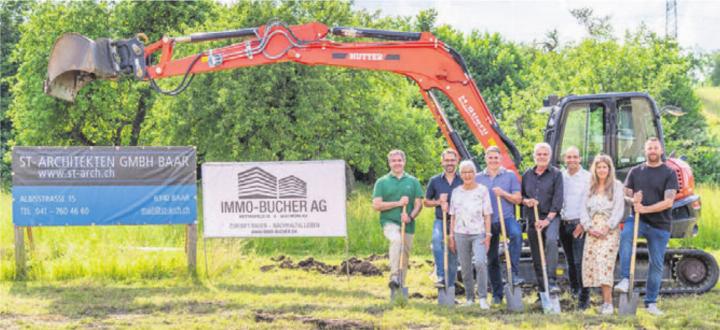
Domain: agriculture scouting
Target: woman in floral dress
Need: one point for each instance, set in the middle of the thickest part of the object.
(602, 213)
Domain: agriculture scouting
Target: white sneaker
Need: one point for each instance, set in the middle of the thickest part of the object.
(468, 303)
(606, 309)
(622, 286)
(484, 304)
(653, 309)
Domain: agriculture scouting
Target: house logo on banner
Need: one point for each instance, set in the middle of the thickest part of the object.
(274, 199)
(256, 183)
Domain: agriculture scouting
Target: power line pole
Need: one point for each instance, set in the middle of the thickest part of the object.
(671, 19)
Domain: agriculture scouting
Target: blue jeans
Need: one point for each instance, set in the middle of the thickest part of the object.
(657, 240)
(437, 247)
(514, 232)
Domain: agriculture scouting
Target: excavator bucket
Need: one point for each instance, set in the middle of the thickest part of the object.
(75, 61)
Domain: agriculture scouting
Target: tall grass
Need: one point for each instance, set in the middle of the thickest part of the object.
(709, 223)
(364, 233)
(128, 252)
(710, 98)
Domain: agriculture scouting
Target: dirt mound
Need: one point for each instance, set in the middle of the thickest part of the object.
(355, 266)
(306, 264)
(375, 257)
(417, 295)
(312, 264)
(278, 258)
(269, 317)
(359, 266)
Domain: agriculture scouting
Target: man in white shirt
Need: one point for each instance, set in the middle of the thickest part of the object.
(576, 183)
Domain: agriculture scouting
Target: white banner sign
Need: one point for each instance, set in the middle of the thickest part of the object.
(274, 199)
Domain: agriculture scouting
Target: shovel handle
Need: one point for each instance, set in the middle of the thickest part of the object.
(636, 226)
(402, 248)
(445, 250)
(504, 237)
(542, 251)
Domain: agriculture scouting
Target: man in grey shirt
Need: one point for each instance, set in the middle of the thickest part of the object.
(576, 183)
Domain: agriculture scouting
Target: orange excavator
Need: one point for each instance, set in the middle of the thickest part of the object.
(615, 123)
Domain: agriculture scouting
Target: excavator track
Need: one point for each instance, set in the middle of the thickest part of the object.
(691, 272)
(686, 271)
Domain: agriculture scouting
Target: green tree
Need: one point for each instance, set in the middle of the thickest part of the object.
(715, 71)
(296, 112)
(105, 112)
(643, 62)
(12, 14)
(598, 27)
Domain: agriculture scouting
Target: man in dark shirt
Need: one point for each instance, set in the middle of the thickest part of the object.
(438, 194)
(652, 186)
(542, 185)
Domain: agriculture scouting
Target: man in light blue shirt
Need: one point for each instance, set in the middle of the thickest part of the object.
(503, 183)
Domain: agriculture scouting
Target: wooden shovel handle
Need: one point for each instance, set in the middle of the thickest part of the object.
(542, 251)
(504, 237)
(445, 249)
(402, 247)
(636, 226)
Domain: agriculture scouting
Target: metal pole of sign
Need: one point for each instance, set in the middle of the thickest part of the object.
(31, 241)
(191, 244)
(347, 257)
(19, 253)
(207, 271)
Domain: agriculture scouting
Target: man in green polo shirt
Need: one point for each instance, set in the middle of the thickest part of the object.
(392, 191)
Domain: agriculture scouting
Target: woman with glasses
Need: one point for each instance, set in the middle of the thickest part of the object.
(470, 212)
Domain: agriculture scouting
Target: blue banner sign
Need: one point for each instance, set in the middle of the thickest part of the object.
(81, 186)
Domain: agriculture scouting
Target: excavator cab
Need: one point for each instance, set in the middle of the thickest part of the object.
(616, 124)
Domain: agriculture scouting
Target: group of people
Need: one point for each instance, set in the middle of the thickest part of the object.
(584, 211)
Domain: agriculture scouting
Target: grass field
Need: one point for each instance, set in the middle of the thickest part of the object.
(710, 97)
(132, 252)
(135, 277)
(709, 225)
(241, 296)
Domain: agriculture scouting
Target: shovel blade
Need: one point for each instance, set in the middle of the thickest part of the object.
(550, 304)
(399, 294)
(446, 296)
(513, 295)
(75, 61)
(628, 303)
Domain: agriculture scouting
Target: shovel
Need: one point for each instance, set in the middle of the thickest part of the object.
(446, 295)
(550, 304)
(629, 301)
(401, 293)
(513, 294)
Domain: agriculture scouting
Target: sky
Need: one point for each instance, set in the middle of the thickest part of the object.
(528, 21)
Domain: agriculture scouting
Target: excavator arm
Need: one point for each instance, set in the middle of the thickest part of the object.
(433, 65)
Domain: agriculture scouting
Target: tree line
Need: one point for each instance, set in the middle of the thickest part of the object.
(294, 112)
